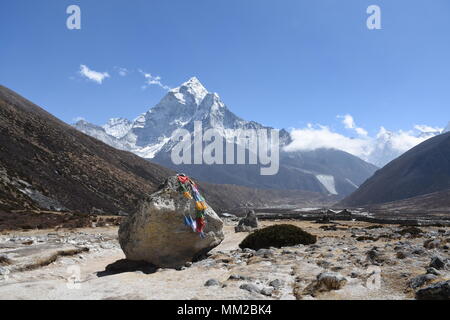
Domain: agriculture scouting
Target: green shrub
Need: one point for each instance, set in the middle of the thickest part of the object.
(282, 235)
(414, 231)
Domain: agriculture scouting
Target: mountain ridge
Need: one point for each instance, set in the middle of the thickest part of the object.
(151, 136)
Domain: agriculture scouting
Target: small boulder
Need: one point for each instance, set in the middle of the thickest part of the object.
(249, 223)
(212, 282)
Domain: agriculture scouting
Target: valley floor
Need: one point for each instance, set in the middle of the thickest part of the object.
(71, 265)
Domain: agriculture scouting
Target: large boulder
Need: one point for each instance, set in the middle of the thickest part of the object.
(156, 233)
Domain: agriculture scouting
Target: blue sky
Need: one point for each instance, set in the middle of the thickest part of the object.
(281, 63)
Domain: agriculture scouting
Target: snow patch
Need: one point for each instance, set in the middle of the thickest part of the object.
(327, 182)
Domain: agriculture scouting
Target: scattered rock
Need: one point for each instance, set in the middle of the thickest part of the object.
(156, 232)
(437, 291)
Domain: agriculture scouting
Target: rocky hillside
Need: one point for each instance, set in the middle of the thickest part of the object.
(423, 170)
(46, 164)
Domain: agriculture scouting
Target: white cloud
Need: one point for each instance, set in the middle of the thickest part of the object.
(93, 75)
(122, 71)
(379, 149)
(349, 123)
(427, 129)
(317, 136)
(152, 80)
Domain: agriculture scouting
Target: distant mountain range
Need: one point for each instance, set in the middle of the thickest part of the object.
(327, 171)
(423, 170)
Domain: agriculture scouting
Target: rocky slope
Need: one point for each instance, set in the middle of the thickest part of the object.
(422, 170)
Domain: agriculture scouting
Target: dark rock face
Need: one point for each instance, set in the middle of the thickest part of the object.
(422, 170)
(156, 232)
(437, 291)
(248, 223)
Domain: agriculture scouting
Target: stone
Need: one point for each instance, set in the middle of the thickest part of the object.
(436, 291)
(264, 252)
(432, 243)
(326, 281)
(431, 270)
(437, 263)
(267, 291)
(156, 232)
(331, 281)
(250, 287)
(212, 282)
(375, 256)
(421, 280)
(402, 254)
(277, 283)
(248, 223)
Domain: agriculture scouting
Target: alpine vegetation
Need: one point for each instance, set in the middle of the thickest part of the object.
(256, 141)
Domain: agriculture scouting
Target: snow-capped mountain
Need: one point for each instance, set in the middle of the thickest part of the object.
(389, 145)
(447, 129)
(150, 136)
(179, 108)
